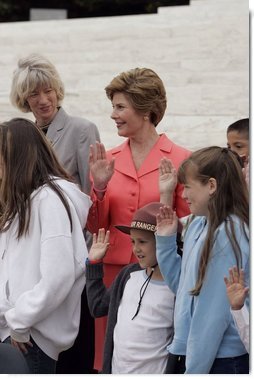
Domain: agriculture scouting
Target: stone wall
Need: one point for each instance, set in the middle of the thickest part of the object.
(200, 51)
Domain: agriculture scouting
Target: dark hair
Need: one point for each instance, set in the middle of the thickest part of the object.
(240, 126)
(230, 198)
(144, 89)
(28, 162)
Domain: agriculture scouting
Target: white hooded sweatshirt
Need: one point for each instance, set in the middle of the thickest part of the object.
(42, 274)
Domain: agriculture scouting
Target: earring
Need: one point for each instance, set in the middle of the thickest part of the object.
(146, 118)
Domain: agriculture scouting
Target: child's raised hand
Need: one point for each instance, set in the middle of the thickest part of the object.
(99, 246)
(166, 221)
(167, 181)
(236, 289)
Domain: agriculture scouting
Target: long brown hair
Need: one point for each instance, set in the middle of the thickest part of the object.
(27, 162)
(230, 198)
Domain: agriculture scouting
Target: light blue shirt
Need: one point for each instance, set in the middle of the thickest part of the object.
(204, 327)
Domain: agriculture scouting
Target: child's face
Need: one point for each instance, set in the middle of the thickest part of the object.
(144, 248)
(197, 195)
(238, 143)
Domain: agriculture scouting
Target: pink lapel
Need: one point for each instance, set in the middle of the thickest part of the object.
(124, 162)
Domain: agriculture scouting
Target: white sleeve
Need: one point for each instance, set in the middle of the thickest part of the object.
(57, 278)
(56, 271)
(242, 321)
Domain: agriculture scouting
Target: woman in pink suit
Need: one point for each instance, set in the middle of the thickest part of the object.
(126, 178)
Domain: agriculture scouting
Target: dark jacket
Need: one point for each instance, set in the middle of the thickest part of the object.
(105, 302)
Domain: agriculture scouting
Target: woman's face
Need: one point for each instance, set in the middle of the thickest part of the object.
(43, 103)
(128, 121)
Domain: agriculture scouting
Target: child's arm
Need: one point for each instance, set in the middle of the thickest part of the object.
(167, 222)
(100, 246)
(237, 293)
(167, 181)
(236, 290)
(242, 322)
(97, 294)
(166, 247)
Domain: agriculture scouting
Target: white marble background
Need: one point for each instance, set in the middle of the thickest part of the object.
(200, 51)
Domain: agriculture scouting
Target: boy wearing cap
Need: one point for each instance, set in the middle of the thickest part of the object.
(139, 305)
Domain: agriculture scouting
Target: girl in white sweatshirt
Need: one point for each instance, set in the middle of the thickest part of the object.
(42, 248)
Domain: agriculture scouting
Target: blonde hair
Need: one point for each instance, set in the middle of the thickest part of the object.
(33, 72)
(144, 89)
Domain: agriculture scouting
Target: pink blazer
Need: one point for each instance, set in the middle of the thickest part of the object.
(129, 190)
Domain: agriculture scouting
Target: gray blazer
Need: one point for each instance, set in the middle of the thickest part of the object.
(71, 137)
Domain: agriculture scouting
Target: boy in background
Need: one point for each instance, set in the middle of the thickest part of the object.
(238, 141)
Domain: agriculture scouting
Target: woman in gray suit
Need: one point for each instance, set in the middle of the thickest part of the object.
(37, 88)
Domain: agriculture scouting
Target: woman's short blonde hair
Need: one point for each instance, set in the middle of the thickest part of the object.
(144, 89)
(32, 73)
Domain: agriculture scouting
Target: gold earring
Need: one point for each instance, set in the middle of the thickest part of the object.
(146, 118)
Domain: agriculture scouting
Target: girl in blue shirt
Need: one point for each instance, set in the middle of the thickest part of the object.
(206, 339)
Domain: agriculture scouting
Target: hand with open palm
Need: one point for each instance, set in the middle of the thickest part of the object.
(99, 246)
(167, 181)
(167, 221)
(236, 289)
(101, 168)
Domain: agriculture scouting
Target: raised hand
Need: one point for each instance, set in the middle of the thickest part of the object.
(236, 289)
(21, 346)
(167, 221)
(167, 181)
(101, 169)
(99, 246)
